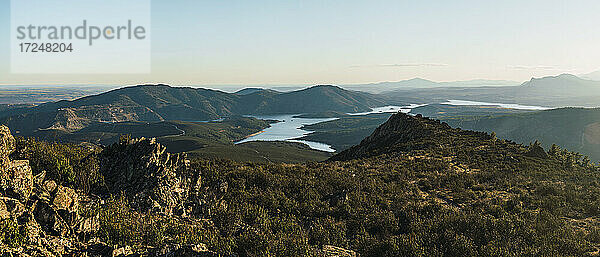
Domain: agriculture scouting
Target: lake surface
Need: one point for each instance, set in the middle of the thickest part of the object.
(288, 129)
(507, 106)
(389, 109)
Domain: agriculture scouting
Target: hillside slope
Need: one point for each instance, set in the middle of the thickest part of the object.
(320, 99)
(415, 187)
(573, 128)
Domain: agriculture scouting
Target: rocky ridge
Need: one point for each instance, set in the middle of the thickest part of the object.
(50, 214)
(402, 132)
(153, 179)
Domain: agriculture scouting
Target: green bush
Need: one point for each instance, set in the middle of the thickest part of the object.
(11, 234)
(69, 165)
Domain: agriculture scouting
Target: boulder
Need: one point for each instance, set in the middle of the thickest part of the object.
(10, 208)
(7, 142)
(49, 219)
(16, 180)
(65, 199)
(123, 251)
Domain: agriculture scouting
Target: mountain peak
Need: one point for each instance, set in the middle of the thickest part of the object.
(561, 82)
(419, 80)
(564, 76)
(325, 86)
(403, 132)
(253, 90)
(567, 76)
(592, 75)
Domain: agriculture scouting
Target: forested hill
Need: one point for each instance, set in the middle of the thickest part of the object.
(161, 102)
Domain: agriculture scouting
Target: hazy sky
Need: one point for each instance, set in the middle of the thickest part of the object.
(308, 42)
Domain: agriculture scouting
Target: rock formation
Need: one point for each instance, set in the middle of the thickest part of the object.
(153, 179)
(401, 132)
(48, 212)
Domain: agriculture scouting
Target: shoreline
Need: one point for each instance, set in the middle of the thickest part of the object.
(253, 134)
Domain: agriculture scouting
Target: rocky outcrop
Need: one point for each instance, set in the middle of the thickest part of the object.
(47, 212)
(16, 179)
(152, 179)
(536, 150)
(47, 216)
(7, 143)
(402, 132)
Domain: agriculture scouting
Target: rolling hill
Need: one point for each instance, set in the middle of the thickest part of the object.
(153, 103)
(319, 99)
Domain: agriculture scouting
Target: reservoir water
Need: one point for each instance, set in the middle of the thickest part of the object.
(288, 129)
(389, 109)
(501, 105)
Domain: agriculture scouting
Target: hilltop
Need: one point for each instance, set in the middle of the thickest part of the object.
(252, 90)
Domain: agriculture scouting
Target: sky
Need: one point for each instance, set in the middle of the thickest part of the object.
(261, 42)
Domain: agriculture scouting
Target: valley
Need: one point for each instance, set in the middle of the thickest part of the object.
(352, 172)
(212, 123)
(300, 129)
(414, 185)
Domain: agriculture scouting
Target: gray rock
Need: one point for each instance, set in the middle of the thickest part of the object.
(152, 179)
(65, 199)
(16, 180)
(49, 220)
(11, 208)
(7, 142)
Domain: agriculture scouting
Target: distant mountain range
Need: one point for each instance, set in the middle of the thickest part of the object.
(419, 83)
(565, 84)
(153, 103)
(593, 75)
(554, 91)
